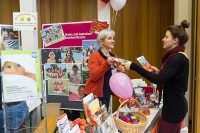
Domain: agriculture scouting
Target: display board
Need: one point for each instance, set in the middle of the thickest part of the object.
(66, 77)
(74, 34)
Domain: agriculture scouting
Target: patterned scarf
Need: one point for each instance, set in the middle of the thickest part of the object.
(166, 58)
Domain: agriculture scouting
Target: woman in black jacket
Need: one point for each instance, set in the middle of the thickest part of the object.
(172, 78)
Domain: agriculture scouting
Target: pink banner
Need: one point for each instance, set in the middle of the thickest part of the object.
(74, 33)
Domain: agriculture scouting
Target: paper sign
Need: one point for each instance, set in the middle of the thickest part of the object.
(25, 21)
(97, 26)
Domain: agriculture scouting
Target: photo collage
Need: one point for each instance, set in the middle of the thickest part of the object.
(66, 70)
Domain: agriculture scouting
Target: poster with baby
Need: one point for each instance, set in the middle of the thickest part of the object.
(21, 73)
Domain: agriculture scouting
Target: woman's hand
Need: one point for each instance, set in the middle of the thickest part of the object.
(111, 60)
(120, 68)
(155, 70)
(127, 65)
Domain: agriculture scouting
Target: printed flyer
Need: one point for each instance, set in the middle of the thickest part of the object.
(21, 73)
(9, 39)
(25, 21)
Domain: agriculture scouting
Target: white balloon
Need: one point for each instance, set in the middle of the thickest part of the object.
(117, 4)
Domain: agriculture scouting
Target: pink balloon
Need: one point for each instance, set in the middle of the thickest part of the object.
(121, 85)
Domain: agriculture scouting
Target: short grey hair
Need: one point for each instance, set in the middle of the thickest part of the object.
(105, 33)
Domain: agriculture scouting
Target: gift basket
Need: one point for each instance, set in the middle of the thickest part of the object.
(131, 126)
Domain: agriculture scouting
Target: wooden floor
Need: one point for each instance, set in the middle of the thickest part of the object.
(51, 124)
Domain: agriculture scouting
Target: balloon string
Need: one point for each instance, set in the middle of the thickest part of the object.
(115, 18)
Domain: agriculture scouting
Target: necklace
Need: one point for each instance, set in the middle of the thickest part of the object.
(107, 55)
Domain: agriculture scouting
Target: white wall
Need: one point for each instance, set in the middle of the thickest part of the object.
(103, 11)
(183, 10)
(29, 38)
(29, 41)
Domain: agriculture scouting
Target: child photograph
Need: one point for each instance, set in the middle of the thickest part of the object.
(71, 54)
(74, 71)
(58, 87)
(51, 55)
(55, 71)
(76, 92)
(52, 35)
(89, 46)
(9, 39)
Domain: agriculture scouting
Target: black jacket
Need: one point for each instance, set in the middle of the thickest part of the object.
(174, 77)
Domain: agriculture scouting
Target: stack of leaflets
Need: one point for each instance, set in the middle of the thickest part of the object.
(97, 115)
(64, 125)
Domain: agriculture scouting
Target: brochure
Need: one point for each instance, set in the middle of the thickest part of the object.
(145, 64)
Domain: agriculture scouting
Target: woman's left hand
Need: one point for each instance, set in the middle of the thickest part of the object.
(120, 68)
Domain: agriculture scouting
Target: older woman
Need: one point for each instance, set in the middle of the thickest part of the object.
(101, 67)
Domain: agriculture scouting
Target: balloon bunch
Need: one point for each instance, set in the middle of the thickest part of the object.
(116, 4)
